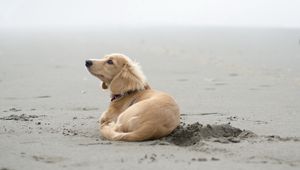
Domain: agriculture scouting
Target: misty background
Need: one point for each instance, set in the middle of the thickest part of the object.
(100, 14)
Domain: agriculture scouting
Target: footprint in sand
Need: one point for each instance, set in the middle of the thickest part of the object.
(48, 159)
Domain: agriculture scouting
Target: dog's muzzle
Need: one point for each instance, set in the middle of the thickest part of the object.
(88, 63)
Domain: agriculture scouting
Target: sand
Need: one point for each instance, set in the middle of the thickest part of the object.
(238, 90)
(194, 133)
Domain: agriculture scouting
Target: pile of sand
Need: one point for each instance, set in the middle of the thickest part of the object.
(190, 134)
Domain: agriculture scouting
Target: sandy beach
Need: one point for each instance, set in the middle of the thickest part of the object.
(246, 78)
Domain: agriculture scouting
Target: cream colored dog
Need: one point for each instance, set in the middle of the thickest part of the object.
(136, 112)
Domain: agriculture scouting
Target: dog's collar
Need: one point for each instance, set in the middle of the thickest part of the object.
(115, 96)
(118, 96)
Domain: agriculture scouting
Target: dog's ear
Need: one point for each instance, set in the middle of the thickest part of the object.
(129, 79)
(104, 85)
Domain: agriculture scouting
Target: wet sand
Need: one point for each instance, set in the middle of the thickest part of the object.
(238, 90)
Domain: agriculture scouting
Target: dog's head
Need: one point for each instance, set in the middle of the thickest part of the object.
(118, 73)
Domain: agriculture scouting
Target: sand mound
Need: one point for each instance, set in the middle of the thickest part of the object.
(190, 134)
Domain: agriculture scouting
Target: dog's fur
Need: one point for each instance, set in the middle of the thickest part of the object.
(137, 113)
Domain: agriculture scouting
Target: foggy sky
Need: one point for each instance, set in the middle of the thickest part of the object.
(139, 13)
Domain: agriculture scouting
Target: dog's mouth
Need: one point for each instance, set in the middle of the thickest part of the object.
(96, 74)
(101, 77)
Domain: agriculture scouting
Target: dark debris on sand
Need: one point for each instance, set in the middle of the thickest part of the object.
(22, 117)
(190, 134)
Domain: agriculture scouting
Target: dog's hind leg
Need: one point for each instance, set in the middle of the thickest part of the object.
(145, 132)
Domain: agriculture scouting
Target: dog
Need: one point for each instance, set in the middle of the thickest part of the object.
(136, 112)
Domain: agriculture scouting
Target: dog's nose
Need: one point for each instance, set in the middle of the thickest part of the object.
(88, 63)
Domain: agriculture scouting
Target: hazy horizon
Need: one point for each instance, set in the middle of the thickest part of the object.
(33, 14)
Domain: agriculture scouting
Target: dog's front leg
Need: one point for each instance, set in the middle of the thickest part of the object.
(104, 118)
(107, 117)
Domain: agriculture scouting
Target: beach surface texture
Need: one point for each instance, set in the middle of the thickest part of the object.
(238, 90)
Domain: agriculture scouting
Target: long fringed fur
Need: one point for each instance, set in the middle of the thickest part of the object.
(130, 78)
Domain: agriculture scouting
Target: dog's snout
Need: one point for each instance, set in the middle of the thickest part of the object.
(88, 63)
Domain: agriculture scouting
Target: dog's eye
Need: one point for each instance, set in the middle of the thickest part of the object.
(109, 62)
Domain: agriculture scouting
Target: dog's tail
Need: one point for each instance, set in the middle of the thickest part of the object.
(108, 131)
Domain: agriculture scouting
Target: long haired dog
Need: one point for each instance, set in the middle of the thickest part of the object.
(136, 112)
